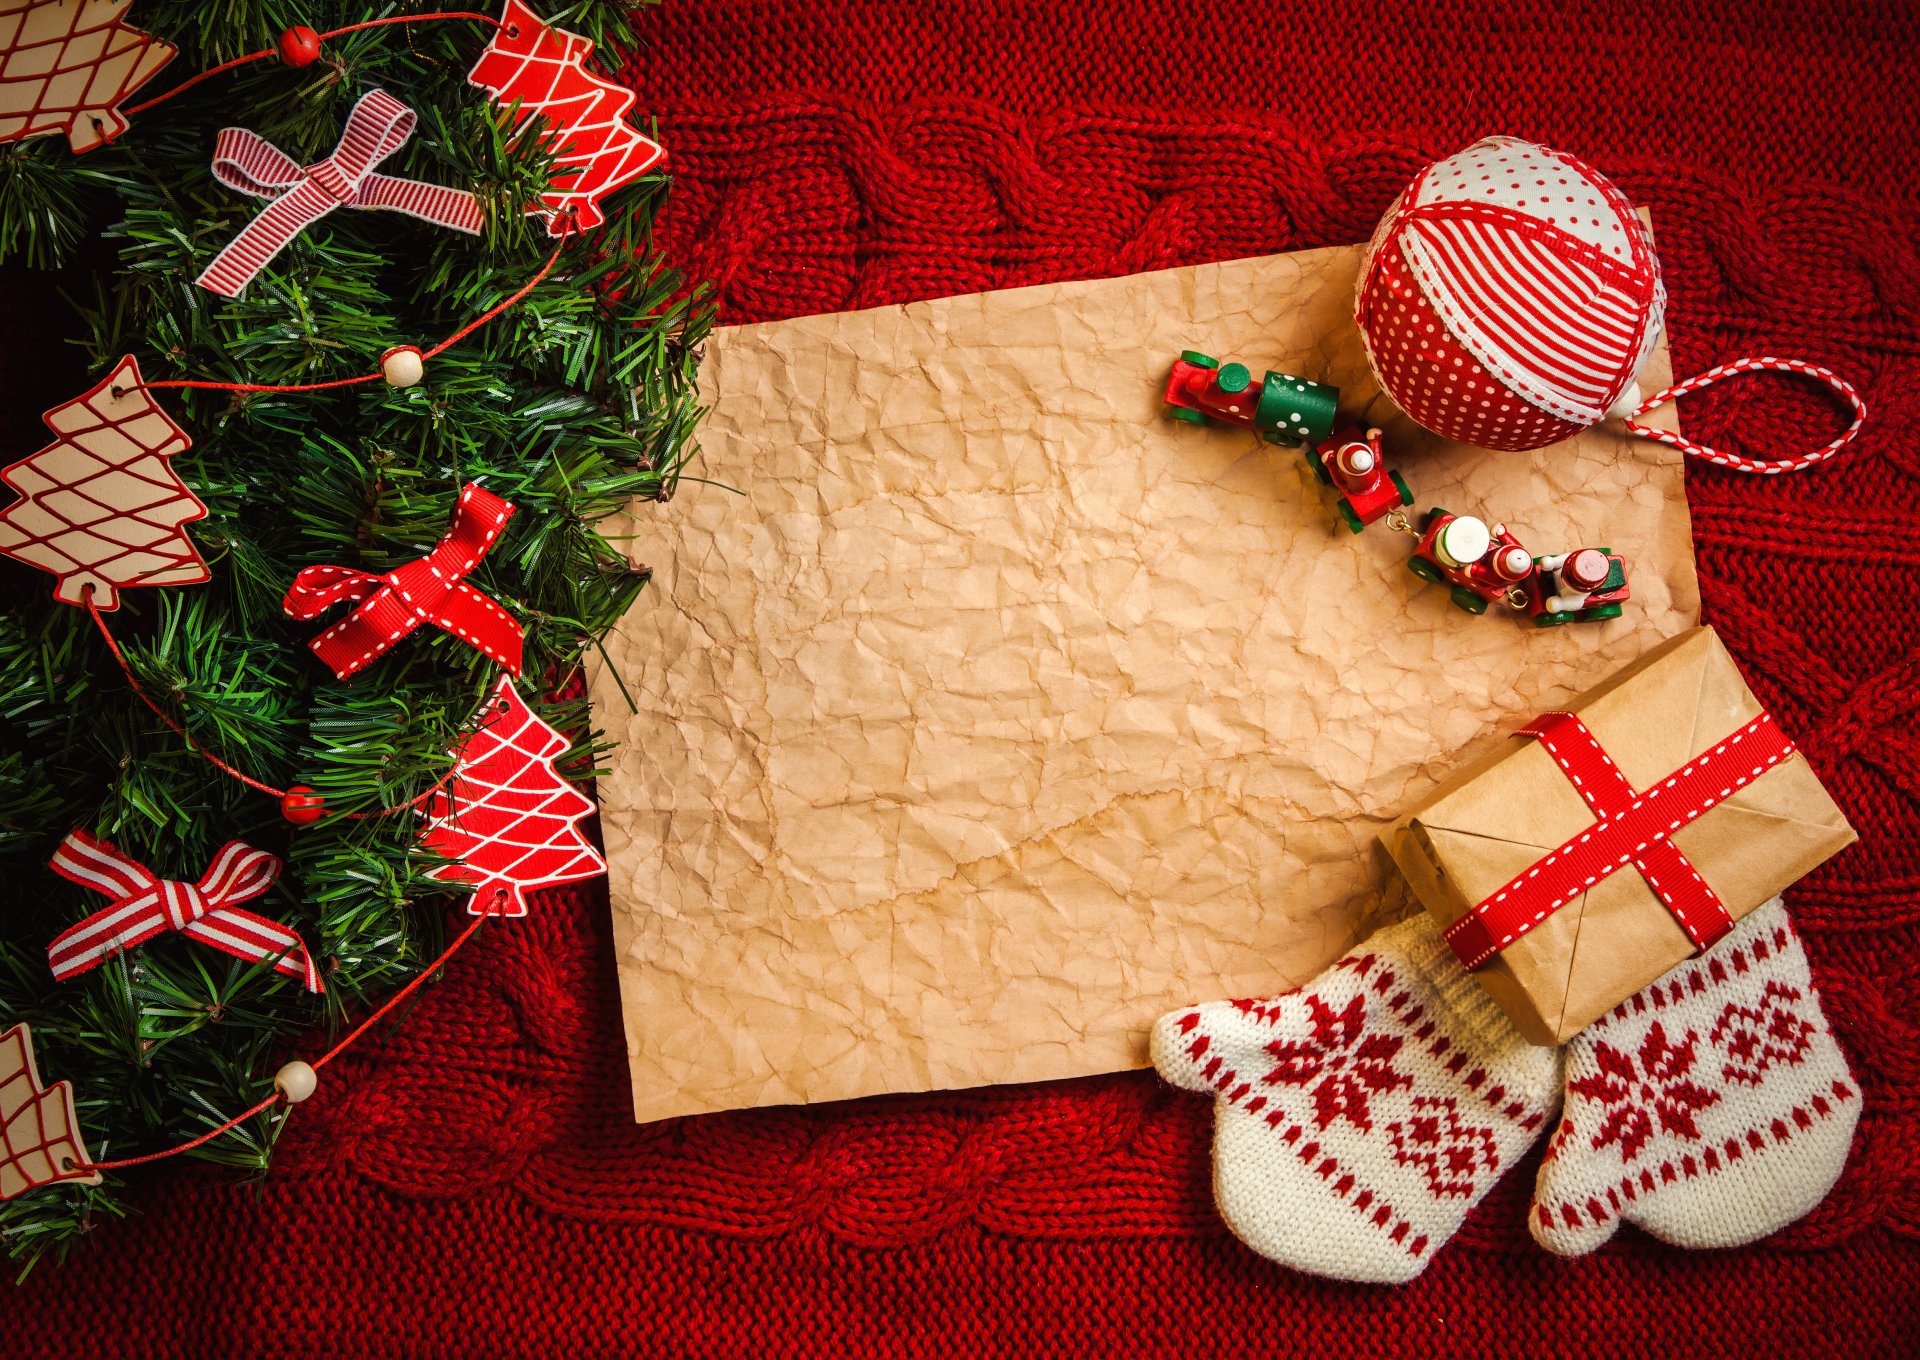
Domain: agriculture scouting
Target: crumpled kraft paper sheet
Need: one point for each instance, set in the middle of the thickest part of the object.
(1001, 714)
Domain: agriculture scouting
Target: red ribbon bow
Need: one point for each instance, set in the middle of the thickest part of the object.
(378, 126)
(145, 905)
(1632, 828)
(432, 590)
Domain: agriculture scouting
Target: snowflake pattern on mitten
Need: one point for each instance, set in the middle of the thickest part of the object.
(1358, 1120)
(1711, 1109)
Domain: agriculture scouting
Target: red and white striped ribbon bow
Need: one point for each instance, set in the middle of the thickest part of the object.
(432, 589)
(378, 126)
(145, 905)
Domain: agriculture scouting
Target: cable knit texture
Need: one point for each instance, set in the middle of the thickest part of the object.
(1711, 1109)
(1359, 1119)
(474, 1185)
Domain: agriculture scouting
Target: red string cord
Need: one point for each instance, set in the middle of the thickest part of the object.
(375, 376)
(214, 760)
(162, 714)
(212, 71)
(316, 1064)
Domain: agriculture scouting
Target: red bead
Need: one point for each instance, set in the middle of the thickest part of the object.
(299, 46)
(302, 806)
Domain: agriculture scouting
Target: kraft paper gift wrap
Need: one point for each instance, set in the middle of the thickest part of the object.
(1502, 814)
(977, 713)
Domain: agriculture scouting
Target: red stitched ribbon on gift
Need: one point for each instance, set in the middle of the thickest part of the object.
(378, 126)
(432, 590)
(1632, 828)
(145, 905)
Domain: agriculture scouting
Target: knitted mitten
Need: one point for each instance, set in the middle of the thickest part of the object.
(1358, 1119)
(1711, 1109)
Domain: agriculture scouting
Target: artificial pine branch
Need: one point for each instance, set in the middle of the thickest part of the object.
(570, 405)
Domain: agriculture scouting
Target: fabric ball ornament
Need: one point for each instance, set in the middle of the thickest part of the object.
(1509, 297)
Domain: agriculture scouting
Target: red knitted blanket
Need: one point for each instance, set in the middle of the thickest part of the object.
(475, 1186)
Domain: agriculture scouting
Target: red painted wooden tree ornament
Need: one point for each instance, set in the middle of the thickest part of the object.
(65, 66)
(101, 507)
(507, 814)
(544, 69)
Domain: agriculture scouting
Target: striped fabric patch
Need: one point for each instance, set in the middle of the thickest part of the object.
(1543, 321)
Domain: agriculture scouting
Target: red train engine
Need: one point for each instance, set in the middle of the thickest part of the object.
(1488, 565)
(1283, 409)
(1356, 464)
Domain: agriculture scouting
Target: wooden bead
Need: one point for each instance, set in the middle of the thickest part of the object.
(296, 1081)
(403, 366)
(299, 46)
(302, 806)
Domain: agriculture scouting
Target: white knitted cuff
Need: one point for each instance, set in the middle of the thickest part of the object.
(1472, 1015)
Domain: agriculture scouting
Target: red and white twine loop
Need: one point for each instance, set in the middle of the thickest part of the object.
(1763, 466)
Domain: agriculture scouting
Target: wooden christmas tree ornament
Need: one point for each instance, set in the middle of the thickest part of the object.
(66, 65)
(39, 1133)
(101, 507)
(507, 815)
(540, 70)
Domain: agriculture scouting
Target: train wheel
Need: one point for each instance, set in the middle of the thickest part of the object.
(1400, 485)
(1465, 599)
(1197, 359)
(1192, 417)
(1317, 463)
(1424, 569)
(1346, 513)
(1601, 612)
(1552, 620)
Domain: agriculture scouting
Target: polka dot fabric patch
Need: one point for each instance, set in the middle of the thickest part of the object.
(1557, 189)
(1433, 377)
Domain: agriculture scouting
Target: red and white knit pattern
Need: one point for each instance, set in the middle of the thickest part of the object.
(1359, 1119)
(1536, 269)
(1711, 1109)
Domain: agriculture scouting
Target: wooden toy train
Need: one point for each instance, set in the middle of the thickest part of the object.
(1483, 564)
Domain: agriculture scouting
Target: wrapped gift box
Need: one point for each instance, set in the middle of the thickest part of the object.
(1594, 850)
